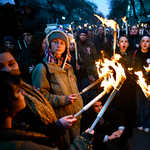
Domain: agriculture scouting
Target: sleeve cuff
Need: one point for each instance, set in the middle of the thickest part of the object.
(121, 127)
(61, 128)
(105, 139)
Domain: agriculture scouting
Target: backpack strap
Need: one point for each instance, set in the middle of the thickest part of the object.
(48, 75)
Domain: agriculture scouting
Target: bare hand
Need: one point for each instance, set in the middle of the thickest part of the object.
(67, 121)
(72, 98)
(118, 133)
(77, 67)
(31, 68)
(111, 137)
(87, 131)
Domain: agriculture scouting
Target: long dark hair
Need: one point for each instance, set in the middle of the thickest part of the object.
(36, 44)
(6, 93)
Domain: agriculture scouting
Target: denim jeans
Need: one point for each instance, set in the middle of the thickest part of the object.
(81, 85)
(143, 114)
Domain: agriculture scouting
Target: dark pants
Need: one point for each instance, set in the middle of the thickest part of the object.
(111, 127)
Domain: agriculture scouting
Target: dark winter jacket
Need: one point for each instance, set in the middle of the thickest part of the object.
(22, 140)
(133, 40)
(89, 117)
(88, 56)
(34, 21)
(25, 54)
(82, 72)
(30, 62)
(140, 60)
(124, 98)
(101, 45)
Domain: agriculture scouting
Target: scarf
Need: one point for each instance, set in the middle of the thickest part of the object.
(52, 58)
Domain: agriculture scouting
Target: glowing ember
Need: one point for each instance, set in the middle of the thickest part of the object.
(141, 82)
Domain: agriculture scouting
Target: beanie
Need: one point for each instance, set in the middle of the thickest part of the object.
(58, 33)
(9, 38)
(28, 30)
(83, 31)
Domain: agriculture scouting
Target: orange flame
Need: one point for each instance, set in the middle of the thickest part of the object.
(141, 82)
(73, 40)
(147, 68)
(124, 19)
(108, 23)
(103, 67)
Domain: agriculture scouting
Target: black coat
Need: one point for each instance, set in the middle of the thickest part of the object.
(133, 40)
(141, 60)
(101, 45)
(82, 72)
(125, 97)
(89, 117)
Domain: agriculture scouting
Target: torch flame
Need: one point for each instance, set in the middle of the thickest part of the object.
(108, 23)
(124, 19)
(147, 68)
(111, 23)
(73, 40)
(103, 68)
(141, 82)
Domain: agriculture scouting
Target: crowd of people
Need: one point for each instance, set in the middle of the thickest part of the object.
(40, 86)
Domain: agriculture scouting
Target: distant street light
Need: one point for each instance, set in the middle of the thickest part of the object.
(63, 18)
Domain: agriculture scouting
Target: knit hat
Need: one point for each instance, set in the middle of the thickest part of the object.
(28, 30)
(58, 33)
(83, 31)
(9, 38)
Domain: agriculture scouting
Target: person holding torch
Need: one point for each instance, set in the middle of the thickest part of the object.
(87, 55)
(58, 82)
(106, 129)
(141, 60)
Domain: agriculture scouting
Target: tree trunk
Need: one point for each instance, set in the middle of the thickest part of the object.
(134, 13)
(142, 5)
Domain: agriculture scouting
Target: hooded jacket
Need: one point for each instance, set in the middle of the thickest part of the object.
(60, 84)
(56, 89)
(34, 21)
